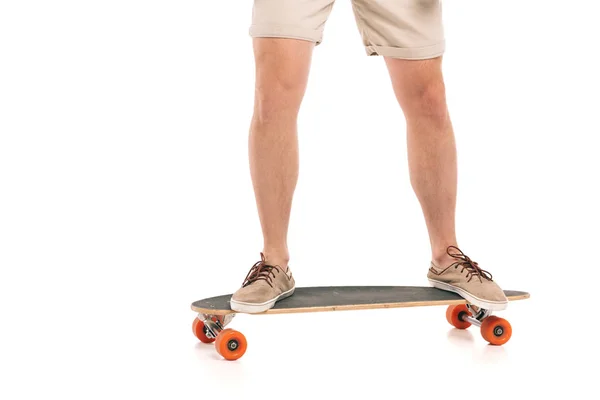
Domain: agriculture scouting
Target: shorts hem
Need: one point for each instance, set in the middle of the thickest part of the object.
(414, 53)
(286, 32)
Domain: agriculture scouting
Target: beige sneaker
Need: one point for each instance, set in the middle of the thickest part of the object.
(263, 287)
(465, 278)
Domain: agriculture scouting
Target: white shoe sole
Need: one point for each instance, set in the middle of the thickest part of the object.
(253, 308)
(476, 301)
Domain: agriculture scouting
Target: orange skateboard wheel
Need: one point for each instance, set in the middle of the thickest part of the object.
(230, 344)
(496, 331)
(200, 331)
(454, 314)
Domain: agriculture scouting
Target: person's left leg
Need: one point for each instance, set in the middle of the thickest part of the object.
(419, 88)
(409, 34)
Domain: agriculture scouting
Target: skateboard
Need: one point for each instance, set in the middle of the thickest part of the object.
(214, 313)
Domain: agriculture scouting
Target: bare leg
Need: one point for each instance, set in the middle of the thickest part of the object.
(420, 90)
(282, 69)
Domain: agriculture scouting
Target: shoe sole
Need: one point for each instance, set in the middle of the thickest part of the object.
(253, 308)
(476, 301)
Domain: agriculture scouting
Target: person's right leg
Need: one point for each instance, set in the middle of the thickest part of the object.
(282, 68)
(285, 33)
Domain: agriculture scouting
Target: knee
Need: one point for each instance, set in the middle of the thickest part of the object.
(278, 98)
(429, 102)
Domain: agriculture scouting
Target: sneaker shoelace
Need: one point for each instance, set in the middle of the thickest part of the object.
(261, 271)
(471, 266)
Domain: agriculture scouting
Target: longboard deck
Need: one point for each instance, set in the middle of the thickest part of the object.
(337, 298)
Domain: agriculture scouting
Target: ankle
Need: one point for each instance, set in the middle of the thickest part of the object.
(440, 256)
(276, 257)
(442, 261)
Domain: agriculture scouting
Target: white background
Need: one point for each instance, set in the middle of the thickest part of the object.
(125, 196)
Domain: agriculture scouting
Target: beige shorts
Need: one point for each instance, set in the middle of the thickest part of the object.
(408, 29)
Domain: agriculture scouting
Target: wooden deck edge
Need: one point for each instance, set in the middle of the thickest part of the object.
(350, 307)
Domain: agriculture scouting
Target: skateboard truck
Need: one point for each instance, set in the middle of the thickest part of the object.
(210, 328)
(495, 330)
(477, 315)
(214, 324)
